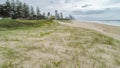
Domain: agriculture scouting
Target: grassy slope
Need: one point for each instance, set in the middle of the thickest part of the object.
(45, 44)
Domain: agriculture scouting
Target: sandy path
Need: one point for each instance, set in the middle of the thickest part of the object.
(113, 31)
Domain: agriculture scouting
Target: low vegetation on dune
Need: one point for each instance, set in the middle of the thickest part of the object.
(48, 44)
(22, 24)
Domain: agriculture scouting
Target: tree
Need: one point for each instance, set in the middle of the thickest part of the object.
(13, 10)
(56, 15)
(1, 10)
(5, 12)
(39, 16)
(38, 11)
(19, 10)
(32, 13)
(25, 11)
(61, 15)
(13, 5)
(48, 14)
(70, 16)
(44, 14)
(5, 9)
(8, 8)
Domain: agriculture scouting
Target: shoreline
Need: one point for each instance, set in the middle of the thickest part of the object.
(105, 29)
(103, 22)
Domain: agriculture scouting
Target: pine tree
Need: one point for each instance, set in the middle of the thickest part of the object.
(44, 14)
(25, 11)
(13, 10)
(5, 9)
(70, 16)
(56, 15)
(1, 10)
(13, 5)
(61, 15)
(8, 8)
(39, 16)
(48, 14)
(19, 10)
(16, 9)
(32, 13)
(38, 11)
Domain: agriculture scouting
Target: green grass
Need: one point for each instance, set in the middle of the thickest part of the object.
(67, 21)
(47, 44)
(7, 24)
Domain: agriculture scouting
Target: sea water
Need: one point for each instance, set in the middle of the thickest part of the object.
(109, 22)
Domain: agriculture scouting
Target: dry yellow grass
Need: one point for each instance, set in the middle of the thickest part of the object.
(58, 46)
(113, 31)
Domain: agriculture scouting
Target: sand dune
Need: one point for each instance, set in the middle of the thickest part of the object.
(113, 31)
(54, 45)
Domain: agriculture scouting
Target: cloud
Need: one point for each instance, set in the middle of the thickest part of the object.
(89, 12)
(86, 5)
(67, 1)
(114, 1)
(112, 14)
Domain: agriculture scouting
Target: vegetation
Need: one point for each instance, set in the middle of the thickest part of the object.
(17, 10)
(7, 24)
(47, 44)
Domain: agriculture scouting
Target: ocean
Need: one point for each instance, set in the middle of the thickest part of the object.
(109, 22)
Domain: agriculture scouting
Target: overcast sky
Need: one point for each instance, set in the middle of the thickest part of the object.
(81, 9)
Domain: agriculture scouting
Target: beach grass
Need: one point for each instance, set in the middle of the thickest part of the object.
(48, 44)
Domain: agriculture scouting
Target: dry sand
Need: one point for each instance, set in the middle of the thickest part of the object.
(112, 31)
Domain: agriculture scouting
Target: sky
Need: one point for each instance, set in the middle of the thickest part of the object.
(81, 9)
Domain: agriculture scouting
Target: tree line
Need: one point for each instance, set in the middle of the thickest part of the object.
(15, 9)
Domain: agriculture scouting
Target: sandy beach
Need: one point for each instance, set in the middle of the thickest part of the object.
(113, 31)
